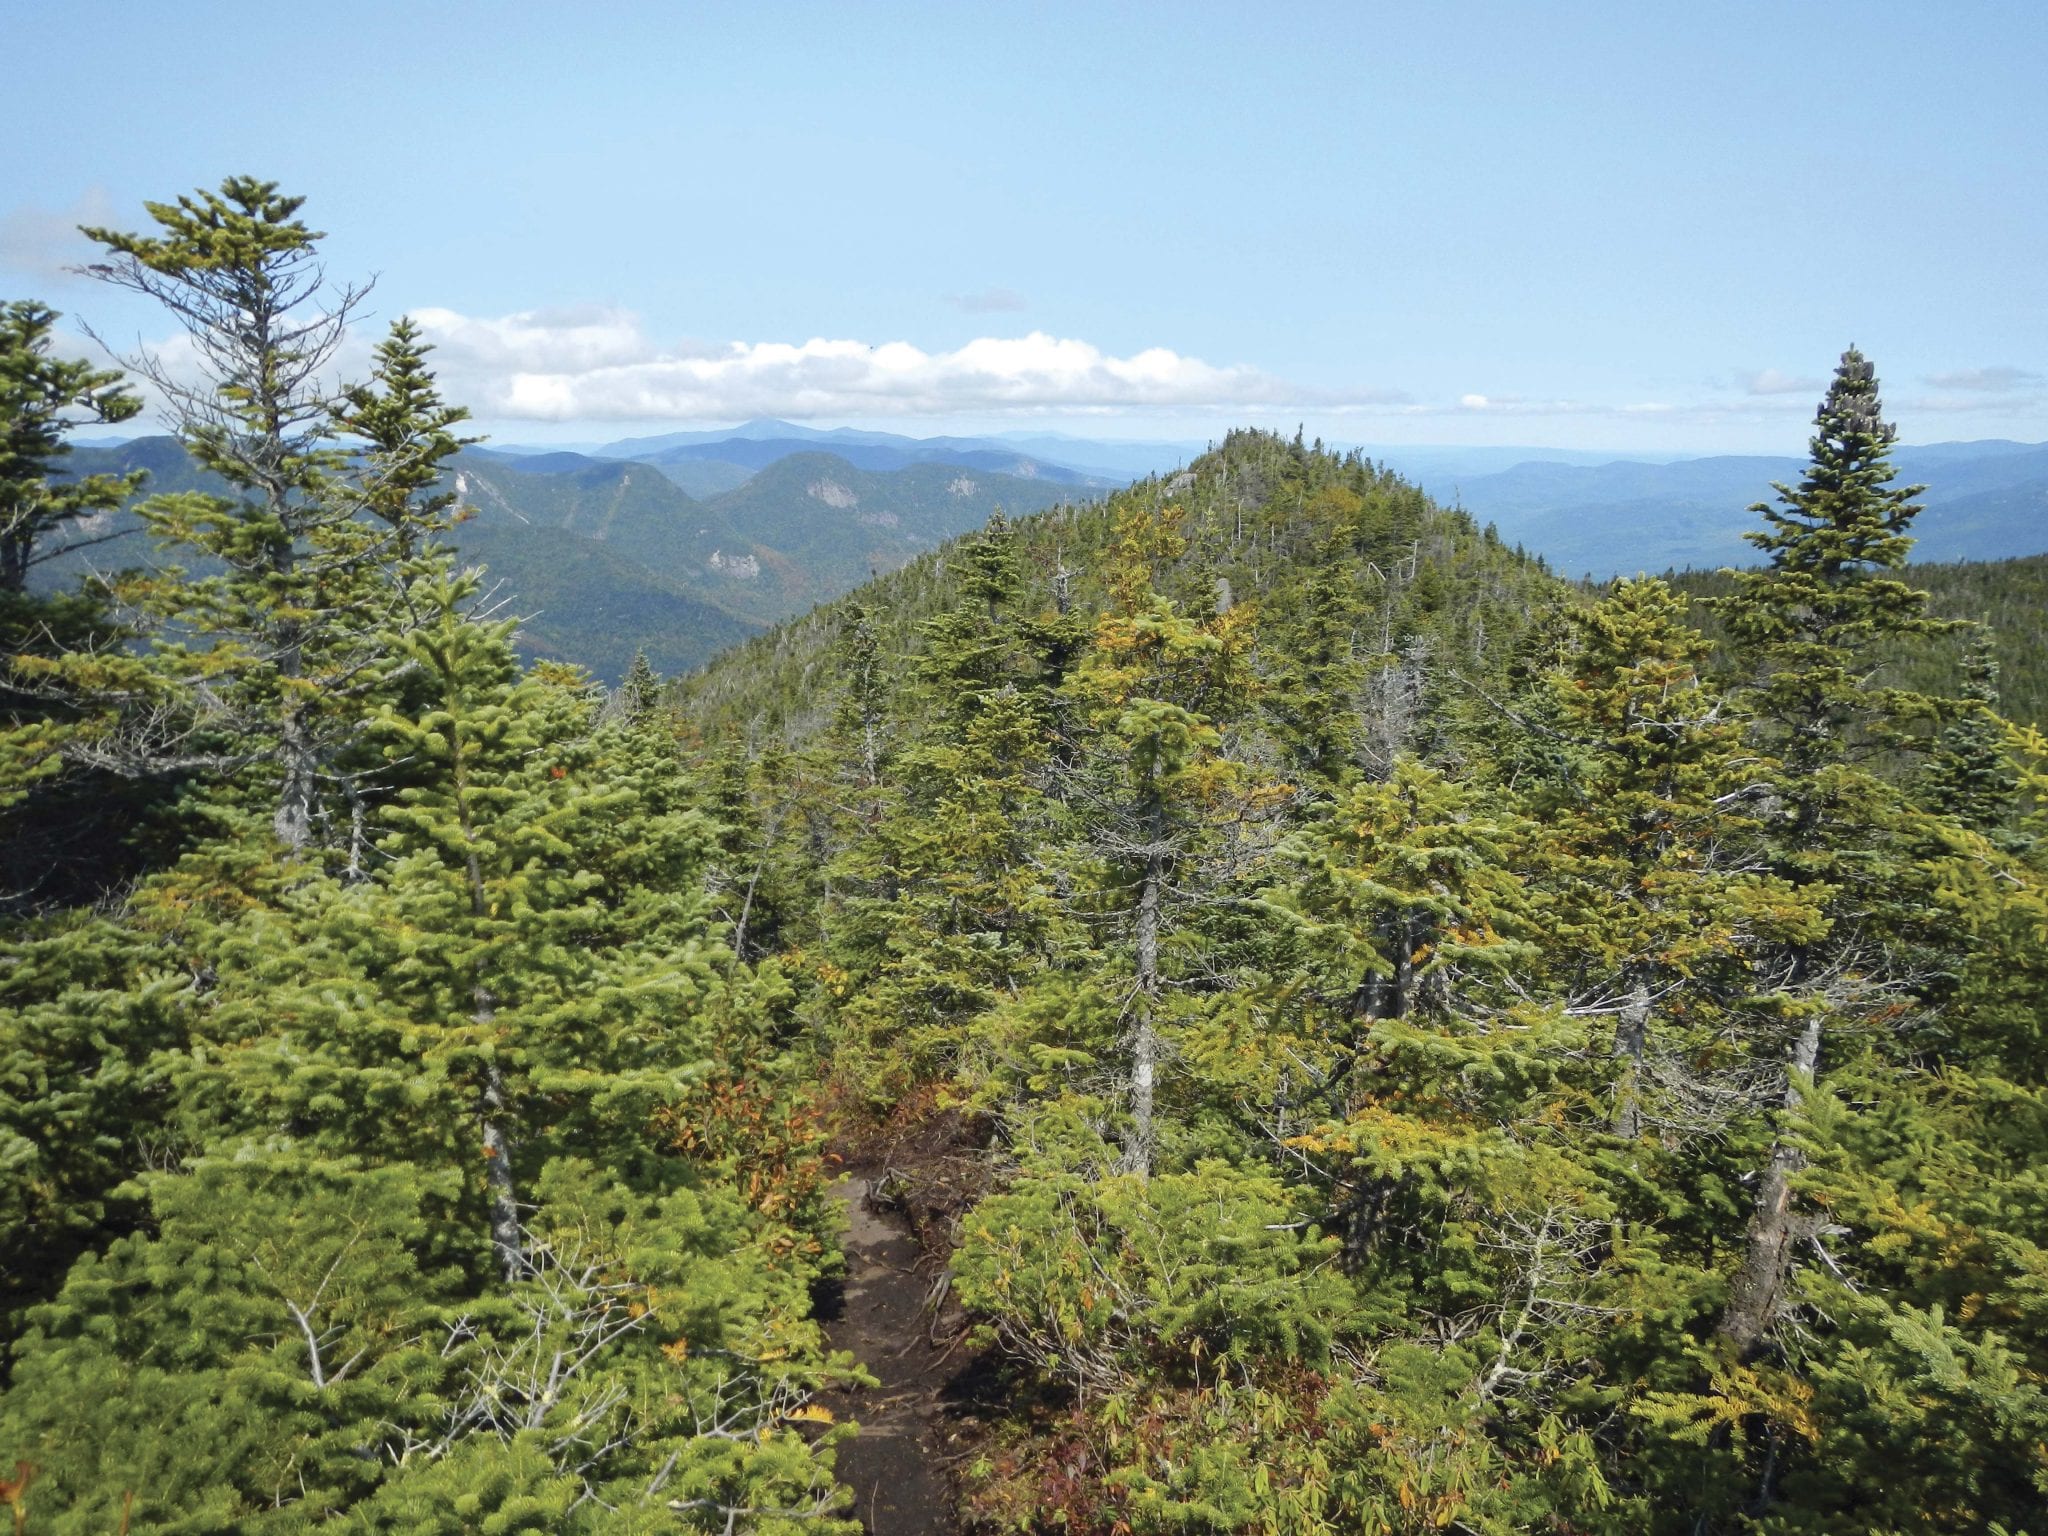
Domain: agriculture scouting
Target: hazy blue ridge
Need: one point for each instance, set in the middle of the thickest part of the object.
(1984, 501)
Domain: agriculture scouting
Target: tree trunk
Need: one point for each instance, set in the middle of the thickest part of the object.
(1362, 1219)
(1406, 940)
(297, 754)
(1776, 1229)
(508, 1240)
(15, 549)
(508, 1236)
(293, 820)
(1145, 1043)
(1631, 1031)
(1144, 1068)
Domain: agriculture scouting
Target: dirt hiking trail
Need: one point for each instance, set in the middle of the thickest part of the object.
(894, 1314)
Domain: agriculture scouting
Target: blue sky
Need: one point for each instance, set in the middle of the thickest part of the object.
(1617, 226)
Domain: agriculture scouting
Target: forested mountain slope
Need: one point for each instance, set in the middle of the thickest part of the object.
(803, 529)
(1260, 522)
(753, 445)
(2007, 597)
(754, 454)
(1440, 1049)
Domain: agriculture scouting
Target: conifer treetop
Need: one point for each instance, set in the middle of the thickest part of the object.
(42, 397)
(1836, 542)
(240, 272)
(1845, 516)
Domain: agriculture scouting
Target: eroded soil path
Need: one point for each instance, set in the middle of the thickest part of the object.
(891, 1314)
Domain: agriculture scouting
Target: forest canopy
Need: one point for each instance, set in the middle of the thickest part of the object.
(1433, 1047)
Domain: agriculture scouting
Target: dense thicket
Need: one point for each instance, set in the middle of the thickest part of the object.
(393, 1141)
(1456, 1052)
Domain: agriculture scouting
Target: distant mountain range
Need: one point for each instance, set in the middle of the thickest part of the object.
(603, 557)
(685, 543)
(771, 490)
(1984, 501)
(1587, 513)
(1075, 460)
(1070, 460)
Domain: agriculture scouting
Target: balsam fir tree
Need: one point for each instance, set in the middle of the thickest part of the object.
(42, 398)
(272, 649)
(956, 914)
(1315, 696)
(1151, 780)
(1402, 926)
(1650, 909)
(496, 1034)
(382, 1190)
(56, 829)
(552, 912)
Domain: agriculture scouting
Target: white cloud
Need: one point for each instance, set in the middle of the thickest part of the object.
(575, 340)
(1516, 405)
(990, 301)
(597, 364)
(45, 242)
(1771, 382)
(1999, 380)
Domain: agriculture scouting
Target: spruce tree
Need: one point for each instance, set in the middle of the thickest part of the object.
(641, 691)
(954, 913)
(1969, 775)
(401, 431)
(1320, 681)
(1807, 630)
